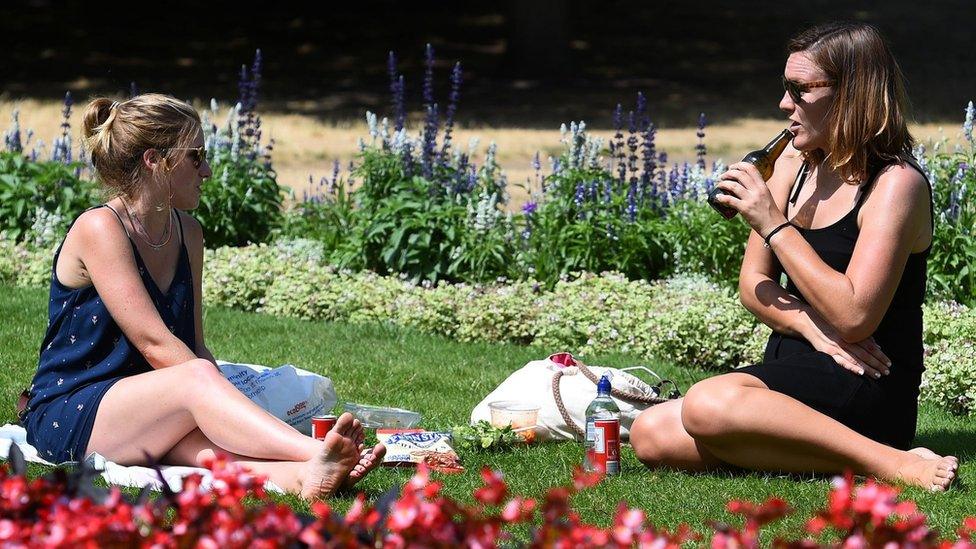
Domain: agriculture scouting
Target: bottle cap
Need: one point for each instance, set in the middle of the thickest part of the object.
(603, 386)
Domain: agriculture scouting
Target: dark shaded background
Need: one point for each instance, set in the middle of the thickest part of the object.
(533, 63)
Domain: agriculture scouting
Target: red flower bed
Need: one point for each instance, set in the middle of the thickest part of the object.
(64, 509)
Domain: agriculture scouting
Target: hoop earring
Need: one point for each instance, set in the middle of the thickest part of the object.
(161, 206)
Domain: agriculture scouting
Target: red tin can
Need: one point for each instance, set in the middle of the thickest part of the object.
(322, 425)
(603, 452)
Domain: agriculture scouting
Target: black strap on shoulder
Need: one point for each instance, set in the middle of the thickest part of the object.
(179, 221)
(910, 160)
(801, 177)
(129, 236)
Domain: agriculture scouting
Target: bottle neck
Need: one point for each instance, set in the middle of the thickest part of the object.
(776, 147)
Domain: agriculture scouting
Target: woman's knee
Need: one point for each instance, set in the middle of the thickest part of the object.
(653, 431)
(709, 407)
(200, 376)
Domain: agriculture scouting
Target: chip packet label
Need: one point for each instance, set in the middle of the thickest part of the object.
(413, 446)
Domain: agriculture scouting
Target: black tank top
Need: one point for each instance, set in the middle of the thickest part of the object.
(900, 332)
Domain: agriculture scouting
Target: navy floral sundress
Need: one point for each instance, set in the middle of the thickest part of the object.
(84, 353)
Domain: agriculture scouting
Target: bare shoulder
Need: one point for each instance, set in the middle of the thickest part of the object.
(98, 227)
(192, 232)
(899, 188)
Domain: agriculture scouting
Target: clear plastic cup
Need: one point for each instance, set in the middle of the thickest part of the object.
(522, 416)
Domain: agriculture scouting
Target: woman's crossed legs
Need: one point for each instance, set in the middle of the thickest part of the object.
(189, 412)
(735, 419)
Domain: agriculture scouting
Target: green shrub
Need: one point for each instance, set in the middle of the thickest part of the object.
(325, 216)
(49, 190)
(428, 308)
(949, 380)
(952, 173)
(697, 241)
(948, 320)
(239, 278)
(311, 293)
(498, 313)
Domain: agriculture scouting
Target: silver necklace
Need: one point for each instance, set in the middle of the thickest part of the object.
(133, 220)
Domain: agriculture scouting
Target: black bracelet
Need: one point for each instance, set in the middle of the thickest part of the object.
(774, 231)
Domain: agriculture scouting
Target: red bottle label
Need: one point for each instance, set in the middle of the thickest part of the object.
(604, 454)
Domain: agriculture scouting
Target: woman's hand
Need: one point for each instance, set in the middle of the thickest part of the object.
(862, 358)
(750, 197)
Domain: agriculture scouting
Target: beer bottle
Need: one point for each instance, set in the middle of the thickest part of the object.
(764, 159)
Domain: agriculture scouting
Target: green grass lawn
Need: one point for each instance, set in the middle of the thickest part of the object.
(444, 380)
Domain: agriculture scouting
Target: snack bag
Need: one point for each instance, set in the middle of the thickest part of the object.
(413, 446)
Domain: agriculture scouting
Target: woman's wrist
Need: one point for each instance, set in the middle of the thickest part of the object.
(767, 239)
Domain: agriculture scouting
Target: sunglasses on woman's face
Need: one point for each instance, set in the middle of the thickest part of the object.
(796, 89)
(196, 154)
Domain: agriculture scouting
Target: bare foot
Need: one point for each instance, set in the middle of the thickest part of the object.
(368, 460)
(929, 470)
(924, 452)
(325, 473)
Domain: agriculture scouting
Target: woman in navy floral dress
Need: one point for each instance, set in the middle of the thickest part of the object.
(124, 370)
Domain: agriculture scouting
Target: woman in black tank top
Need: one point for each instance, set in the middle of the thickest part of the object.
(838, 386)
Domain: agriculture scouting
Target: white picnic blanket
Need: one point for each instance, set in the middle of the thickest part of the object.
(112, 472)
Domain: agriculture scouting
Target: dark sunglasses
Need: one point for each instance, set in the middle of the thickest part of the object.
(795, 89)
(196, 154)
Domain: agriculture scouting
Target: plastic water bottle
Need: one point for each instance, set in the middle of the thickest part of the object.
(602, 432)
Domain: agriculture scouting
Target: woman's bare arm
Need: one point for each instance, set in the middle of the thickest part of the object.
(759, 288)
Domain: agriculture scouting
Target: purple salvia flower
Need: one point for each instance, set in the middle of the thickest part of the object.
(335, 177)
(396, 93)
(700, 150)
(428, 90)
(557, 166)
(641, 112)
(255, 83)
(632, 203)
(648, 154)
(452, 104)
(429, 141)
(607, 192)
(66, 113)
(617, 143)
(580, 195)
(632, 146)
(529, 208)
(11, 137)
(472, 178)
(407, 158)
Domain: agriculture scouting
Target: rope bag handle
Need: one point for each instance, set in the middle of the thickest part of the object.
(622, 395)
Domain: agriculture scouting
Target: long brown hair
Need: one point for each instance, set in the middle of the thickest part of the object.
(867, 121)
(117, 133)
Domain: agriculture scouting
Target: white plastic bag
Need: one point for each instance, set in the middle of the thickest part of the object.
(534, 383)
(291, 394)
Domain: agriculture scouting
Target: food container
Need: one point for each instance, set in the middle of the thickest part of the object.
(375, 417)
(522, 416)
